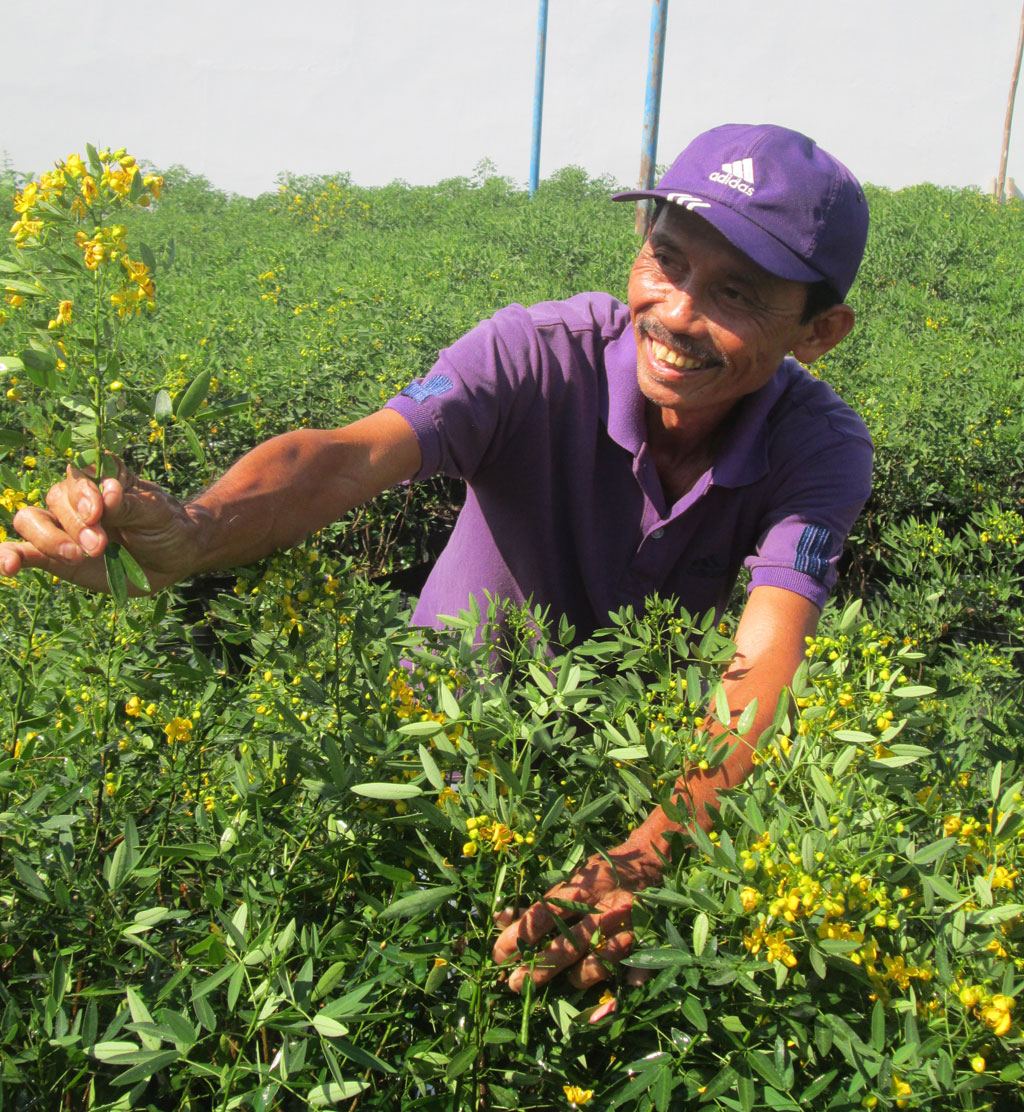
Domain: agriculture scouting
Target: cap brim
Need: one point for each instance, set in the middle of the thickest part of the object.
(746, 236)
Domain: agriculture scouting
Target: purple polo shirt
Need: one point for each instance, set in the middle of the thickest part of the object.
(539, 411)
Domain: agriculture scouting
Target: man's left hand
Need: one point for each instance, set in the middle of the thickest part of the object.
(597, 940)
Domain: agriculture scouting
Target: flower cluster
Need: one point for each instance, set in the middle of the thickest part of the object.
(487, 835)
(993, 1010)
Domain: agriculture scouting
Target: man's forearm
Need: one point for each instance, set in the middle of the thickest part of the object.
(294, 484)
(769, 648)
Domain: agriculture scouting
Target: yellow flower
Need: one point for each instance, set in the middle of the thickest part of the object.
(133, 707)
(750, 898)
(577, 1096)
(74, 165)
(178, 729)
(978, 1064)
(12, 500)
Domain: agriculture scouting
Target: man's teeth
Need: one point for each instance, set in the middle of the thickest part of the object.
(683, 362)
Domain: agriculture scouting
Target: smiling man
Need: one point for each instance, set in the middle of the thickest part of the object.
(609, 451)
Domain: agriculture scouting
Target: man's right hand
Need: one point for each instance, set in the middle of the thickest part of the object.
(68, 538)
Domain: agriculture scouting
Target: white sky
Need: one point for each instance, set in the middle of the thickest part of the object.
(903, 91)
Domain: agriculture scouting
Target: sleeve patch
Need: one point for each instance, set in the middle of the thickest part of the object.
(431, 388)
(812, 552)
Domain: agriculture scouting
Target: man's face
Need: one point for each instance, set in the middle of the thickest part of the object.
(711, 325)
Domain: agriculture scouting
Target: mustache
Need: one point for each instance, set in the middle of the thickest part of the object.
(683, 345)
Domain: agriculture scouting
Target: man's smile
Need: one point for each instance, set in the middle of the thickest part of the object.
(671, 354)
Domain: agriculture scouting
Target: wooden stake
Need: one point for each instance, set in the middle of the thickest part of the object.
(1001, 180)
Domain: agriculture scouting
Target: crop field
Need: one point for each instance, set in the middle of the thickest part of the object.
(253, 830)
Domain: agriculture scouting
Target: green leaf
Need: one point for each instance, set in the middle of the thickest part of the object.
(116, 1051)
(932, 851)
(858, 737)
(320, 1096)
(147, 1064)
(942, 888)
(694, 1014)
(329, 1028)
(764, 1066)
(746, 1093)
(746, 719)
(878, 1026)
(701, 926)
(418, 903)
(722, 712)
(628, 753)
(132, 571)
(449, 705)
(330, 977)
(194, 396)
(185, 1035)
(32, 289)
(117, 579)
(30, 878)
(421, 729)
(162, 404)
(994, 915)
(95, 166)
(379, 790)
(148, 258)
(40, 366)
(594, 808)
(460, 1063)
(193, 442)
(902, 755)
(433, 773)
(664, 958)
(912, 692)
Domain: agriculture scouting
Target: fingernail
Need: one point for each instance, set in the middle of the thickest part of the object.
(70, 552)
(88, 539)
(84, 506)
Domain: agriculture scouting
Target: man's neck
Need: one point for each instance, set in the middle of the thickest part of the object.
(683, 446)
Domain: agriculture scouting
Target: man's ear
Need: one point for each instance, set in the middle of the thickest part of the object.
(823, 332)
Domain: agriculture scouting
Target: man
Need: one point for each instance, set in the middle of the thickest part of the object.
(609, 451)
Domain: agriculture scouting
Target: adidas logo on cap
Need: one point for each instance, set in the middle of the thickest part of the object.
(738, 175)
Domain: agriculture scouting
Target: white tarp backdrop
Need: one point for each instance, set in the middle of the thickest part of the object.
(904, 91)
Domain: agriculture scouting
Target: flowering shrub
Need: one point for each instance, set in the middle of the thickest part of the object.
(253, 836)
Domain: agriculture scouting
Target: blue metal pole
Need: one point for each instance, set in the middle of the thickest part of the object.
(538, 94)
(652, 109)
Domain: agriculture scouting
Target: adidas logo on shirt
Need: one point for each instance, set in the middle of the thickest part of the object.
(738, 175)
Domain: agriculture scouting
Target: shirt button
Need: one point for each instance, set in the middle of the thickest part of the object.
(658, 534)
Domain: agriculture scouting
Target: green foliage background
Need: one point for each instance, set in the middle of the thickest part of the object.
(232, 825)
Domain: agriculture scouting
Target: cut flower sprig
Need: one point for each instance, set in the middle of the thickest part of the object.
(75, 280)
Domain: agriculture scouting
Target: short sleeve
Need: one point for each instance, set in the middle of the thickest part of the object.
(813, 510)
(475, 396)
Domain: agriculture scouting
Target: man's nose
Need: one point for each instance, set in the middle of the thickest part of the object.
(682, 312)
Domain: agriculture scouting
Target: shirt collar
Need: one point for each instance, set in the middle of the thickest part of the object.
(743, 458)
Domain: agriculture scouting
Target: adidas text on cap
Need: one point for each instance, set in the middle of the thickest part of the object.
(775, 195)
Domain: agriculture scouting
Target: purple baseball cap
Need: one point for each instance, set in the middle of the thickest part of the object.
(774, 194)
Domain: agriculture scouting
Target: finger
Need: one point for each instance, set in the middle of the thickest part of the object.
(528, 930)
(567, 950)
(600, 964)
(505, 917)
(17, 557)
(47, 538)
(635, 977)
(77, 505)
(602, 1010)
